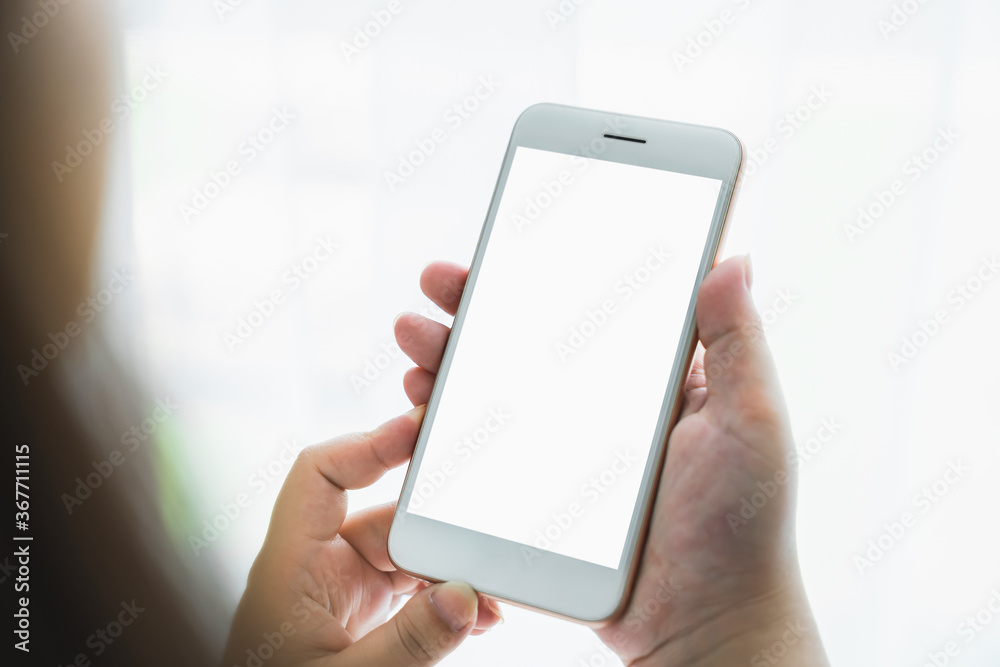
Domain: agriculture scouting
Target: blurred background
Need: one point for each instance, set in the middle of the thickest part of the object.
(271, 199)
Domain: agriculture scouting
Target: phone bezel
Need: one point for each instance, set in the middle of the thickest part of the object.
(518, 574)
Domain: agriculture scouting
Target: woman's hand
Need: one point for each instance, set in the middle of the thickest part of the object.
(322, 586)
(717, 584)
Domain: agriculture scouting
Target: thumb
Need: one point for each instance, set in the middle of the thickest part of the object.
(428, 627)
(743, 392)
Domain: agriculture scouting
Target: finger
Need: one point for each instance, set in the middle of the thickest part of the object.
(312, 502)
(428, 627)
(421, 339)
(694, 387)
(443, 283)
(488, 615)
(404, 584)
(368, 532)
(696, 377)
(418, 383)
(741, 382)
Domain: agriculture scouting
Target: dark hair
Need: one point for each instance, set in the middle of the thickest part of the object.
(101, 579)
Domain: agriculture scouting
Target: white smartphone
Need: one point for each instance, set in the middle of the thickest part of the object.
(539, 456)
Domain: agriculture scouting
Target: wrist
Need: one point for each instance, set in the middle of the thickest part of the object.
(774, 629)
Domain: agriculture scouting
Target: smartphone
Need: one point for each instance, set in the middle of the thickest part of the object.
(538, 459)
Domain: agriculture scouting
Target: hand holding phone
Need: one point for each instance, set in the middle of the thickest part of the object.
(540, 462)
(711, 584)
(534, 471)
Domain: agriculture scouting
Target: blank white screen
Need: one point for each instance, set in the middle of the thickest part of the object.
(547, 415)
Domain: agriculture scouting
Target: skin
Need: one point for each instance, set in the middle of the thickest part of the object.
(704, 595)
(323, 580)
(713, 587)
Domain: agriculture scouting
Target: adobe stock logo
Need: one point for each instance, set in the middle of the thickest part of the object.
(86, 485)
(30, 26)
(970, 629)
(218, 180)
(464, 449)
(924, 332)
(792, 634)
(121, 108)
(914, 169)
(454, 117)
(924, 500)
(229, 512)
(713, 29)
(60, 340)
(899, 16)
(265, 307)
(767, 489)
(595, 319)
(363, 35)
(550, 189)
(787, 127)
(562, 13)
(593, 490)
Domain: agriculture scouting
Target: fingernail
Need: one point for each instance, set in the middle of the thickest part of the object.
(748, 270)
(456, 604)
(495, 607)
(417, 413)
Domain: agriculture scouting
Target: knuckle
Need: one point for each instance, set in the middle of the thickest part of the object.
(306, 456)
(371, 439)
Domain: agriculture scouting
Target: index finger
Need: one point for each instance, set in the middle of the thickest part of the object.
(313, 500)
(443, 283)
